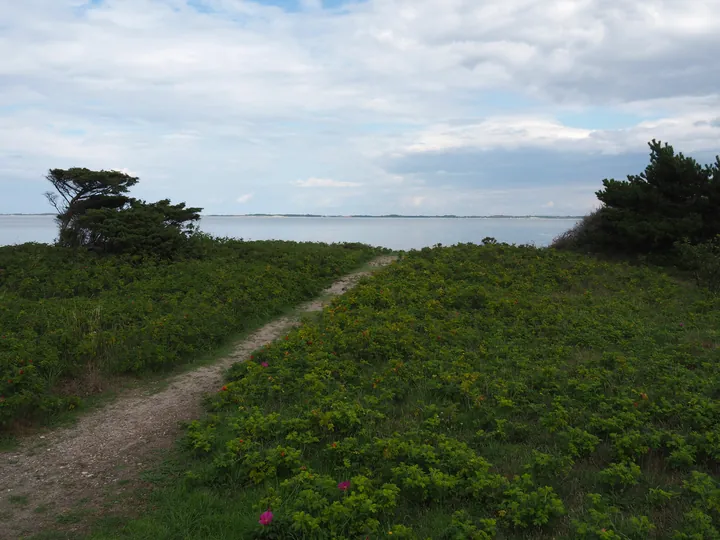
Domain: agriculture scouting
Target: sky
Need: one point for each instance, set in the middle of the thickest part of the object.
(355, 107)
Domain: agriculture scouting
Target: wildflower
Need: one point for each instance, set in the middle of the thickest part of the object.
(241, 441)
(264, 364)
(334, 445)
(344, 486)
(635, 404)
(282, 454)
(681, 325)
(224, 389)
(9, 381)
(21, 372)
(252, 357)
(266, 518)
(29, 361)
(644, 395)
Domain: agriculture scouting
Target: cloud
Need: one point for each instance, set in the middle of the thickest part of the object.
(242, 199)
(461, 102)
(325, 183)
(549, 204)
(126, 171)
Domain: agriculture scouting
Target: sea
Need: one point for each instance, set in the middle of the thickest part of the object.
(398, 233)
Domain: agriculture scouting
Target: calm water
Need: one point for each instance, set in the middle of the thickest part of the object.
(395, 233)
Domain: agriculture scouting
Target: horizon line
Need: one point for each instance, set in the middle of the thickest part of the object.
(347, 215)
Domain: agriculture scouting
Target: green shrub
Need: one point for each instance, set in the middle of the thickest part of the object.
(550, 408)
(703, 260)
(69, 314)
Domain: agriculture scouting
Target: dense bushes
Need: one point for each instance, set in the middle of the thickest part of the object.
(468, 392)
(65, 312)
(703, 260)
(674, 199)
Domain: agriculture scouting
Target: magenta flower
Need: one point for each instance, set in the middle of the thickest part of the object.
(344, 486)
(266, 518)
(264, 364)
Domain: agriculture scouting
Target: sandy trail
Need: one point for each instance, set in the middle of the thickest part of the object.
(104, 452)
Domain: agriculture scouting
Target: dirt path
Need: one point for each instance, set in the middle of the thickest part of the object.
(78, 467)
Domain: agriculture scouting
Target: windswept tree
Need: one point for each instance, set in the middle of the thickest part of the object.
(79, 190)
(95, 212)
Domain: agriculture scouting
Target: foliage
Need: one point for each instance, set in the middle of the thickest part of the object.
(703, 260)
(95, 212)
(78, 190)
(69, 315)
(468, 392)
(674, 198)
(160, 228)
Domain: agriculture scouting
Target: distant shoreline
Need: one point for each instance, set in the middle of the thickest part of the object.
(392, 216)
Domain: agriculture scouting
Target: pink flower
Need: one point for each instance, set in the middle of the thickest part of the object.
(266, 518)
(264, 364)
(344, 486)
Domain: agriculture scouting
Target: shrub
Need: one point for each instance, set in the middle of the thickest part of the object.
(67, 313)
(703, 260)
(557, 402)
(580, 236)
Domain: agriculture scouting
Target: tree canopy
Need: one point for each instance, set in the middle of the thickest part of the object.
(675, 199)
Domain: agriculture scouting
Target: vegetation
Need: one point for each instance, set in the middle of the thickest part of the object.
(674, 200)
(469, 392)
(70, 316)
(95, 212)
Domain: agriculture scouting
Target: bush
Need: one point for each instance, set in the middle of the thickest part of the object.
(161, 229)
(559, 400)
(67, 314)
(703, 260)
(580, 237)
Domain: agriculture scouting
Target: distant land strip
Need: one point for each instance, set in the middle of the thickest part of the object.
(447, 216)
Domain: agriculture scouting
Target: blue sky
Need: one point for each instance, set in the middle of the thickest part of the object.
(377, 106)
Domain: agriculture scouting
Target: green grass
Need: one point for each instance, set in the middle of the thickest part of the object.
(76, 326)
(466, 392)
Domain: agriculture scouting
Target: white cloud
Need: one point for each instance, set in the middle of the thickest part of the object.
(242, 199)
(248, 94)
(549, 204)
(325, 183)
